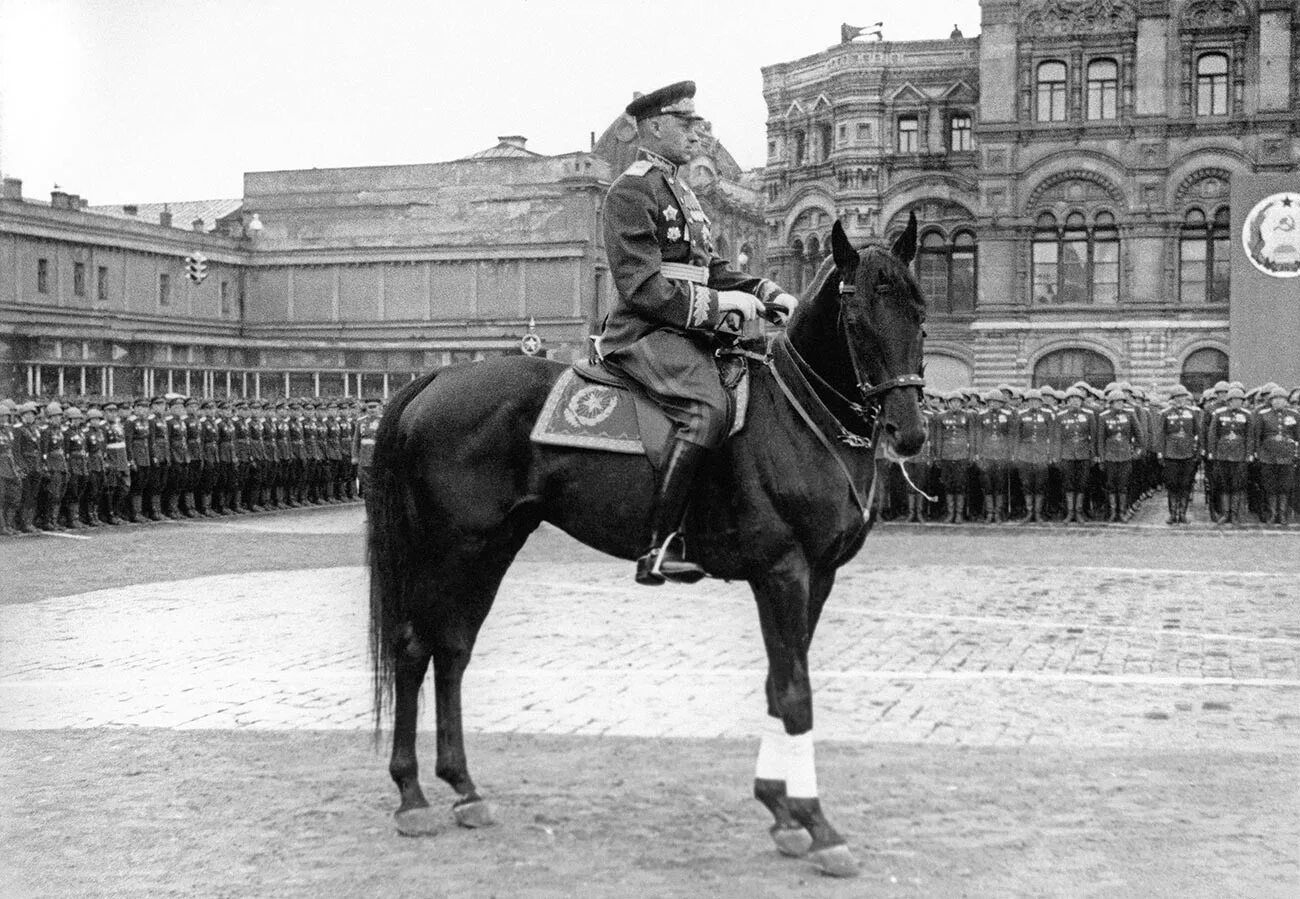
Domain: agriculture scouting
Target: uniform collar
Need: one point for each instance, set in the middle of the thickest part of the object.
(657, 161)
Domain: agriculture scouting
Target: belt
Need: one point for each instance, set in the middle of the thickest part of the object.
(115, 446)
(367, 441)
(697, 274)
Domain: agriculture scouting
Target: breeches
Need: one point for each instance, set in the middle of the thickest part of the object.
(1230, 476)
(1117, 475)
(682, 379)
(1276, 477)
(1074, 474)
(953, 474)
(1033, 476)
(1179, 474)
(995, 475)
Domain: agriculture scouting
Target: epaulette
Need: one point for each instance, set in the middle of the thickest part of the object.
(639, 168)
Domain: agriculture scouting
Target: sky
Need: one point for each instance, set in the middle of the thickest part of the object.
(150, 100)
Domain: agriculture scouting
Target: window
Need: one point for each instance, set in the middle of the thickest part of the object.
(164, 289)
(101, 284)
(771, 149)
(79, 279)
(842, 134)
(800, 147)
(225, 299)
(961, 284)
(1204, 368)
(42, 276)
(907, 134)
(959, 135)
(932, 268)
(825, 132)
(1105, 260)
(1212, 84)
(1203, 258)
(1103, 88)
(864, 131)
(1062, 368)
(946, 272)
(1075, 264)
(1051, 91)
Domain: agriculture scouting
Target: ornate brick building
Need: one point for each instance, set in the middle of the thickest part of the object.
(1070, 167)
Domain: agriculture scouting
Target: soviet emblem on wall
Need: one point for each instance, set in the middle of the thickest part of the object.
(1271, 235)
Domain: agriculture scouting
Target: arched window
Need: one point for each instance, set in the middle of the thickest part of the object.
(1103, 89)
(796, 266)
(1212, 84)
(961, 285)
(1203, 257)
(1051, 91)
(959, 132)
(1075, 264)
(800, 147)
(1061, 368)
(1204, 368)
(932, 270)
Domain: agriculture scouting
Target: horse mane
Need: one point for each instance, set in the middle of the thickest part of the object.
(819, 279)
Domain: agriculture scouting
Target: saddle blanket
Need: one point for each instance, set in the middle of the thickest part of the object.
(582, 413)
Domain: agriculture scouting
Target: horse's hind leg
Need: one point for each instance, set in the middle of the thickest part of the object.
(414, 817)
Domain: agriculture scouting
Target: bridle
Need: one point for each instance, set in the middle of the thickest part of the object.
(866, 390)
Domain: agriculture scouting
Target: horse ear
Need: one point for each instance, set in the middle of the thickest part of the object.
(845, 256)
(905, 247)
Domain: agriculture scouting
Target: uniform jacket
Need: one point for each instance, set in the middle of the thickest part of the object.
(116, 453)
(1277, 436)
(178, 452)
(296, 443)
(954, 436)
(364, 451)
(651, 217)
(225, 439)
(208, 441)
(159, 453)
(993, 435)
(1119, 435)
(56, 462)
(1230, 436)
(1178, 433)
(9, 469)
(243, 447)
(194, 438)
(311, 440)
(136, 434)
(282, 447)
(74, 448)
(1034, 432)
(95, 440)
(1075, 435)
(331, 442)
(27, 449)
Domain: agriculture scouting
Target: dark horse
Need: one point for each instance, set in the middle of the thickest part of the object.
(457, 486)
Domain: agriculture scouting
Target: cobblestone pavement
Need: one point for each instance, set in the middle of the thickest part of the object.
(1103, 652)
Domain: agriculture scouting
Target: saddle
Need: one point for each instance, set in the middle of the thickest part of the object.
(593, 407)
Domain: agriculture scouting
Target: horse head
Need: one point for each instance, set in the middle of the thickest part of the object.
(873, 306)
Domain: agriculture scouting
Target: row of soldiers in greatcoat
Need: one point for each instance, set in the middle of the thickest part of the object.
(65, 467)
(1088, 454)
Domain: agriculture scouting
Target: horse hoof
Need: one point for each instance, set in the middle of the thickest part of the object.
(419, 822)
(835, 861)
(474, 814)
(791, 841)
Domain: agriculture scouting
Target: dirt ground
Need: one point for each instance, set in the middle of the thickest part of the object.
(150, 813)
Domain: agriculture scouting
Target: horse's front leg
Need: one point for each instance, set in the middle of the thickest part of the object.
(785, 777)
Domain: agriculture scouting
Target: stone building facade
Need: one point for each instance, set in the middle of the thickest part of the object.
(322, 282)
(1087, 204)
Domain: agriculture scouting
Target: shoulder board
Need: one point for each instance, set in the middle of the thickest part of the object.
(639, 168)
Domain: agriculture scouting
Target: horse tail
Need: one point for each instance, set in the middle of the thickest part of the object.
(391, 546)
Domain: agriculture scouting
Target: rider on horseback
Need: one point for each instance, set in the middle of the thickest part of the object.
(673, 292)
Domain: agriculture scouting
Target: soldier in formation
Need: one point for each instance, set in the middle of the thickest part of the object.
(1096, 454)
(69, 464)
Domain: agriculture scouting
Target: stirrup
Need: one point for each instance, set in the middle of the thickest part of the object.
(651, 570)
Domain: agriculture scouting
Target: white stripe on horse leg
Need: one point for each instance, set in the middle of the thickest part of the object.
(801, 768)
(772, 751)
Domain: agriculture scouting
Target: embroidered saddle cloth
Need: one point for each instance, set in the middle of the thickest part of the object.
(593, 408)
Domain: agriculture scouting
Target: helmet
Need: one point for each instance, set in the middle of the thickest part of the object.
(1073, 391)
(1179, 390)
(94, 415)
(53, 408)
(1114, 394)
(1220, 386)
(1033, 393)
(990, 396)
(27, 407)
(1236, 393)
(74, 413)
(1277, 392)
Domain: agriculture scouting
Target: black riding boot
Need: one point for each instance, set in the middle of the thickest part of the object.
(664, 560)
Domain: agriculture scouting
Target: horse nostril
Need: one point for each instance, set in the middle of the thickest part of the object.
(891, 429)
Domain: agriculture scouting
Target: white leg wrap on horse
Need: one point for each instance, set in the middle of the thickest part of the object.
(771, 751)
(801, 767)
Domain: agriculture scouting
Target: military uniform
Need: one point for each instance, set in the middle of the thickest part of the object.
(1177, 445)
(1032, 443)
(117, 466)
(209, 454)
(78, 461)
(178, 461)
(1119, 440)
(11, 476)
(1074, 448)
(95, 469)
(993, 439)
(1229, 444)
(55, 480)
(363, 443)
(954, 446)
(31, 465)
(1277, 442)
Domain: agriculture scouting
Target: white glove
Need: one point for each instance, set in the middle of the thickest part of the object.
(749, 306)
(787, 305)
